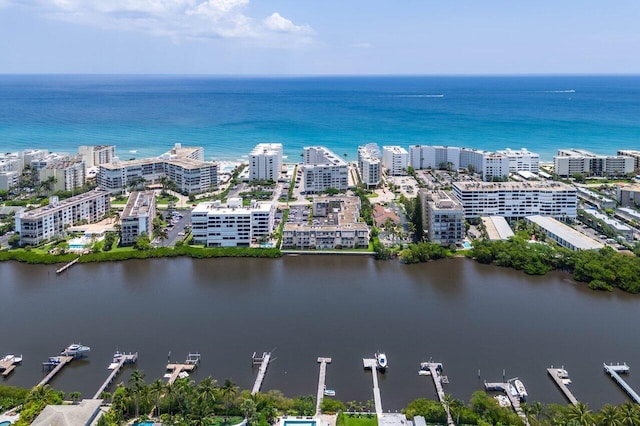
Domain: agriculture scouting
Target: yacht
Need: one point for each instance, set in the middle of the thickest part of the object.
(13, 359)
(381, 360)
(522, 391)
(76, 350)
(329, 392)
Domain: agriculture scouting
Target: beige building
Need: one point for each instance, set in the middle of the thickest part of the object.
(68, 175)
(137, 217)
(442, 217)
(335, 225)
(94, 155)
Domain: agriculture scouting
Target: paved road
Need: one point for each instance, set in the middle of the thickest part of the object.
(177, 228)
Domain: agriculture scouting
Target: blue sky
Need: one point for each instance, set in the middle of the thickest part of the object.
(267, 37)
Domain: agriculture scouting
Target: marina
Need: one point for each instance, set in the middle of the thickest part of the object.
(511, 393)
(434, 369)
(263, 362)
(8, 363)
(119, 361)
(372, 364)
(561, 378)
(322, 388)
(614, 371)
(176, 371)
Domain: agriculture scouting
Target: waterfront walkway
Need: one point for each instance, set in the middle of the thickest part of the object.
(321, 382)
(614, 371)
(116, 367)
(435, 371)
(513, 399)
(7, 367)
(561, 377)
(54, 367)
(263, 361)
(371, 363)
(191, 363)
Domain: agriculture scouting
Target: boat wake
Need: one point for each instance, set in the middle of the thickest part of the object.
(559, 91)
(419, 96)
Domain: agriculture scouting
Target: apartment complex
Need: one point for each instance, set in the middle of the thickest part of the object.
(184, 166)
(322, 169)
(215, 224)
(369, 165)
(9, 180)
(265, 162)
(434, 157)
(633, 154)
(68, 175)
(488, 164)
(137, 217)
(335, 225)
(628, 195)
(43, 223)
(563, 234)
(442, 217)
(521, 160)
(578, 161)
(516, 200)
(94, 155)
(395, 159)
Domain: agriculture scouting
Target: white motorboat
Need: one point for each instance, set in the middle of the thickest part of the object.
(329, 392)
(13, 359)
(503, 401)
(522, 391)
(381, 360)
(76, 350)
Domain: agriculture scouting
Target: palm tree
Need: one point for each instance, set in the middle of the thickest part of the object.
(609, 416)
(629, 414)
(136, 382)
(75, 397)
(580, 414)
(248, 408)
(447, 400)
(156, 390)
(106, 397)
(207, 394)
(537, 409)
(161, 233)
(229, 391)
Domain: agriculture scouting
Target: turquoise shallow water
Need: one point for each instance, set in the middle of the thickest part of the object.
(147, 114)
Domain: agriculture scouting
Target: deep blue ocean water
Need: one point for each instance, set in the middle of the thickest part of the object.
(228, 116)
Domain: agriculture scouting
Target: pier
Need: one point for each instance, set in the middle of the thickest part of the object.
(8, 365)
(176, 370)
(371, 363)
(434, 369)
(263, 362)
(119, 361)
(321, 382)
(514, 398)
(561, 377)
(54, 365)
(68, 265)
(614, 371)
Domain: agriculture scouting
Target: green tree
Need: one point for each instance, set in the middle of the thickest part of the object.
(229, 391)
(580, 414)
(608, 416)
(142, 242)
(136, 381)
(75, 397)
(629, 414)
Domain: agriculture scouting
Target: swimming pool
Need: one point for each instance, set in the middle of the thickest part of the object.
(296, 422)
(5, 423)
(467, 245)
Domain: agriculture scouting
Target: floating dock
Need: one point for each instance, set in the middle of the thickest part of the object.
(7, 366)
(434, 369)
(263, 362)
(321, 382)
(54, 365)
(371, 363)
(614, 371)
(190, 364)
(561, 377)
(123, 359)
(508, 390)
(68, 265)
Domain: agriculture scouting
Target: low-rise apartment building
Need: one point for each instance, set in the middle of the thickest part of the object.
(43, 223)
(633, 154)
(628, 195)
(569, 162)
(516, 200)
(335, 225)
(215, 224)
(563, 234)
(137, 217)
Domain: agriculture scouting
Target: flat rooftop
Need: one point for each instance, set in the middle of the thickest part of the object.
(96, 193)
(139, 204)
(512, 186)
(497, 228)
(568, 234)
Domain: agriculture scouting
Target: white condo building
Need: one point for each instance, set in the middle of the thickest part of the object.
(137, 217)
(395, 159)
(215, 224)
(369, 165)
(265, 162)
(578, 161)
(322, 169)
(633, 154)
(521, 160)
(443, 217)
(68, 175)
(94, 155)
(490, 165)
(434, 157)
(43, 223)
(517, 199)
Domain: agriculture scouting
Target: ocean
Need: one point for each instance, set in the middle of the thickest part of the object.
(145, 115)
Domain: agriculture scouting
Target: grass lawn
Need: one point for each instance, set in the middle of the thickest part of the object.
(348, 420)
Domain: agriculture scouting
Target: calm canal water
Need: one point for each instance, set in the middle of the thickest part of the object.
(469, 316)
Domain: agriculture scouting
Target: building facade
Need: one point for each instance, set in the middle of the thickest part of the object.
(628, 195)
(9, 180)
(94, 155)
(434, 157)
(369, 165)
(515, 200)
(137, 217)
(443, 217)
(265, 162)
(215, 224)
(68, 175)
(323, 169)
(395, 159)
(569, 162)
(521, 160)
(43, 223)
(633, 154)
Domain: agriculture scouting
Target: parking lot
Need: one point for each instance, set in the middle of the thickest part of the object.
(178, 224)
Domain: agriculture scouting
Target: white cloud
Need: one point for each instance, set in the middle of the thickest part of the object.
(178, 19)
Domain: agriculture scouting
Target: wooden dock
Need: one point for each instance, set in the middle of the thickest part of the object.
(129, 358)
(54, 365)
(371, 363)
(8, 366)
(513, 399)
(68, 265)
(614, 371)
(263, 362)
(435, 371)
(190, 364)
(321, 382)
(561, 377)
